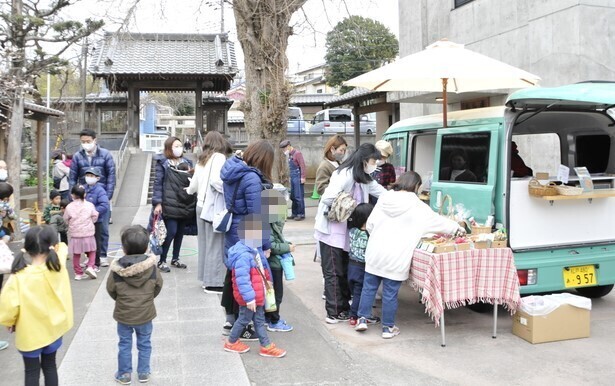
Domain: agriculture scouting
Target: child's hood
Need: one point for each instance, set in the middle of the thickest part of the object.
(132, 268)
(394, 203)
(236, 251)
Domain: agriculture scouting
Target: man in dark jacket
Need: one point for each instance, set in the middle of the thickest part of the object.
(92, 155)
(134, 283)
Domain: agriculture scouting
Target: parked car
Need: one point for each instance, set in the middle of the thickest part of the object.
(295, 124)
(341, 121)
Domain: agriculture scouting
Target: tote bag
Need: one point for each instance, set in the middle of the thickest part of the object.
(222, 220)
(270, 304)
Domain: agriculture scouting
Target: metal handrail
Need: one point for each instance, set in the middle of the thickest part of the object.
(120, 157)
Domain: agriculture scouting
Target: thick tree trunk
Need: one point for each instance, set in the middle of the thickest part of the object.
(263, 31)
(13, 154)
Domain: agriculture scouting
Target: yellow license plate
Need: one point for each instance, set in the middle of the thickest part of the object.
(580, 276)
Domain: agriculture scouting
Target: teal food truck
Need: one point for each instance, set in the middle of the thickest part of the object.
(486, 158)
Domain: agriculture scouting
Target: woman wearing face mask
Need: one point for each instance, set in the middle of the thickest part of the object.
(335, 150)
(171, 199)
(60, 174)
(353, 177)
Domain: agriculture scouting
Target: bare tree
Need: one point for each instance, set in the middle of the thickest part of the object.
(263, 30)
(28, 28)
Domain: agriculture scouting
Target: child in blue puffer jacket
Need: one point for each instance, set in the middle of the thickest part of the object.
(249, 270)
(97, 195)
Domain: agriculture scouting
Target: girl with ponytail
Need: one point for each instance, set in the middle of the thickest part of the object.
(37, 304)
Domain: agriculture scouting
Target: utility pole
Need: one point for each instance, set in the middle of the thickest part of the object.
(84, 53)
(221, 16)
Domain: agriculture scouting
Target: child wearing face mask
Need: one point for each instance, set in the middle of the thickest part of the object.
(96, 194)
(80, 215)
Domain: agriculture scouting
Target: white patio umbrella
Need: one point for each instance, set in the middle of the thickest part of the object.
(445, 66)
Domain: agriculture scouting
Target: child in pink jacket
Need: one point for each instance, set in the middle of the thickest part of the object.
(80, 215)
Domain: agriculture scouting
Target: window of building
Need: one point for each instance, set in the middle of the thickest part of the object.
(464, 158)
(319, 91)
(459, 3)
(475, 103)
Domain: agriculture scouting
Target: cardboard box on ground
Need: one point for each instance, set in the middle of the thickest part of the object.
(565, 322)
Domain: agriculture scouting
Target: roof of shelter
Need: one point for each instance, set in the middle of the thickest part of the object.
(94, 99)
(124, 57)
(310, 99)
(357, 94)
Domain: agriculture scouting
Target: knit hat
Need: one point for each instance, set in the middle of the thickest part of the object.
(53, 194)
(384, 147)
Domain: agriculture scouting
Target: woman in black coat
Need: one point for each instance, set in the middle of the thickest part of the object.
(171, 200)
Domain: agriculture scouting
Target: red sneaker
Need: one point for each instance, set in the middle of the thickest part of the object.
(238, 347)
(272, 351)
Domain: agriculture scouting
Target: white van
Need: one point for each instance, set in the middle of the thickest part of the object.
(336, 121)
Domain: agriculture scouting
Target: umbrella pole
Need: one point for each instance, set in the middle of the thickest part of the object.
(444, 102)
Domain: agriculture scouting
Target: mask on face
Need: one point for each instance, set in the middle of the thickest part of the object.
(379, 162)
(91, 180)
(178, 151)
(339, 157)
(369, 168)
(88, 146)
(4, 174)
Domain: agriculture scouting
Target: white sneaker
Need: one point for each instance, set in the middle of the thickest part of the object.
(81, 277)
(104, 262)
(390, 332)
(89, 271)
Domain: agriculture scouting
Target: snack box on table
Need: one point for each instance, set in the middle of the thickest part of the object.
(565, 322)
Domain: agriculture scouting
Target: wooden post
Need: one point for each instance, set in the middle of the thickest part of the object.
(357, 126)
(198, 109)
(40, 163)
(444, 102)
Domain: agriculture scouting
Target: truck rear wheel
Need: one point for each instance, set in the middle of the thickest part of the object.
(595, 292)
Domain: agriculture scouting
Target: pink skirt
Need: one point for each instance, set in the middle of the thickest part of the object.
(78, 245)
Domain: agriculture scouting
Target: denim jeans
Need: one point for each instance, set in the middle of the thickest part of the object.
(356, 273)
(104, 234)
(390, 289)
(175, 235)
(297, 193)
(245, 315)
(144, 345)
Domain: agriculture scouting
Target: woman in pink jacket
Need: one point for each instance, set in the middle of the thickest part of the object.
(80, 215)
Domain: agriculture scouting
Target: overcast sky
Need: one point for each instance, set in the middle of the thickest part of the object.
(306, 48)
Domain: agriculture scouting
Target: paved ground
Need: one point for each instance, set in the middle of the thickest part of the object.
(188, 344)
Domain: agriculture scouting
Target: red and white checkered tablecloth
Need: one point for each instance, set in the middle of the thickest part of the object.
(455, 279)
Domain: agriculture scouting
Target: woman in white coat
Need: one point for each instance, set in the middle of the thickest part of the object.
(353, 177)
(207, 184)
(398, 216)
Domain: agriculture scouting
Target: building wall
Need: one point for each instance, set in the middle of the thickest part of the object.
(562, 41)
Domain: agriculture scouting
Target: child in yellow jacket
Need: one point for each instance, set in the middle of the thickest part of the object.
(37, 304)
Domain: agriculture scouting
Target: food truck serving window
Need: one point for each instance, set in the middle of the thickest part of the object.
(464, 158)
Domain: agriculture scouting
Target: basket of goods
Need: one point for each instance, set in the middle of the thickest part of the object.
(499, 239)
(537, 189)
(566, 190)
